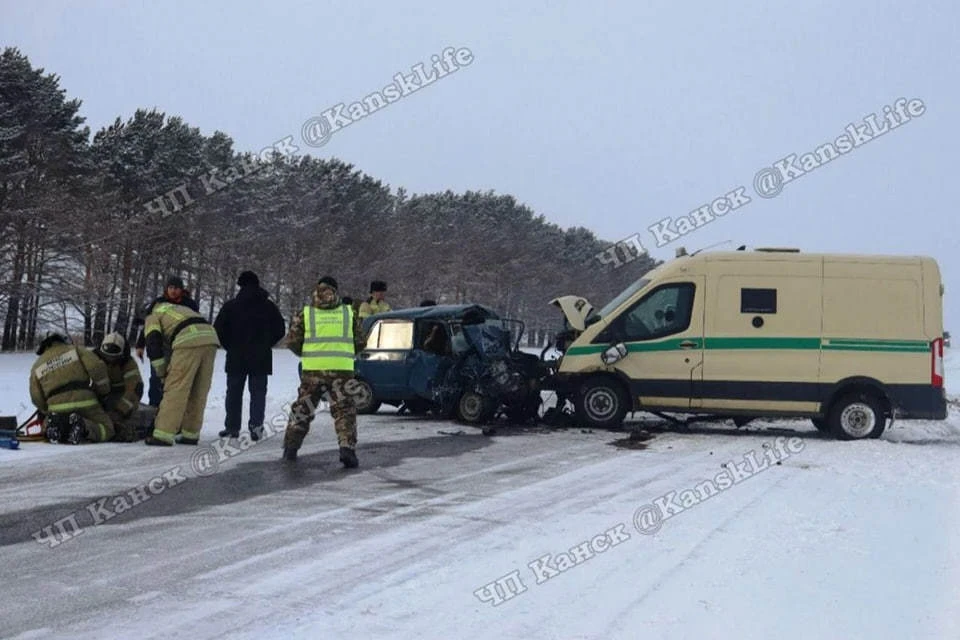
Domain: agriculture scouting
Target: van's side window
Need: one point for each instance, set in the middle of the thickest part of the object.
(758, 300)
(661, 312)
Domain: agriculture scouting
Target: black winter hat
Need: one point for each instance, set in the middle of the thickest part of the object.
(248, 279)
(329, 281)
(428, 303)
(378, 285)
(175, 281)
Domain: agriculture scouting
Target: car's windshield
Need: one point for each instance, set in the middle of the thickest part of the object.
(492, 332)
(621, 297)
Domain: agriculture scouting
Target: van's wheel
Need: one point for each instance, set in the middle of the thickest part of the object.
(821, 425)
(601, 403)
(856, 416)
(473, 408)
(364, 399)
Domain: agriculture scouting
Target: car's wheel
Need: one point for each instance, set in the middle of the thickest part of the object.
(364, 399)
(473, 408)
(821, 425)
(601, 402)
(856, 416)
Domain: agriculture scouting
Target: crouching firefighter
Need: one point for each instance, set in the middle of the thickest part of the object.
(325, 336)
(67, 385)
(192, 344)
(126, 387)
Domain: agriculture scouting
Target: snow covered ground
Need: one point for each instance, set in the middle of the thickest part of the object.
(800, 537)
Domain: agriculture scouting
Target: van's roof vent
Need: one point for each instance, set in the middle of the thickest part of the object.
(778, 249)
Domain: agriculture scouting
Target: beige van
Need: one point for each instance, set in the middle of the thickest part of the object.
(850, 341)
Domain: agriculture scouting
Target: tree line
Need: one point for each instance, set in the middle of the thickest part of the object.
(93, 225)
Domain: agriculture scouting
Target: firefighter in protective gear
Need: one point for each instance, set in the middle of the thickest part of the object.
(326, 335)
(126, 387)
(375, 303)
(67, 384)
(187, 373)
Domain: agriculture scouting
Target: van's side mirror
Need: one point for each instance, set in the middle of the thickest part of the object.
(614, 353)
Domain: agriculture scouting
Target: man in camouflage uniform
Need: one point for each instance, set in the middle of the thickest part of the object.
(66, 385)
(326, 335)
(186, 374)
(126, 387)
(375, 303)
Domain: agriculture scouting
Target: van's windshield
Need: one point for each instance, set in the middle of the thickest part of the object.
(616, 302)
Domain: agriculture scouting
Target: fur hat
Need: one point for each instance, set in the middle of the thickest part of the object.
(328, 281)
(248, 279)
(378, 285)
(175, 281)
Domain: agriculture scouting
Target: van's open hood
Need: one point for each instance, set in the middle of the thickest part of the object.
(575, 309)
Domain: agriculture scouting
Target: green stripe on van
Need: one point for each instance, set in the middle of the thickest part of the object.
(788, 344)
(762, 343)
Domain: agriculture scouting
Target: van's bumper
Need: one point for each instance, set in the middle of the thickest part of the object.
(919, 402)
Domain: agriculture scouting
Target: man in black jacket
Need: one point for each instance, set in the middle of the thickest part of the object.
(248, 326)
(175, 292)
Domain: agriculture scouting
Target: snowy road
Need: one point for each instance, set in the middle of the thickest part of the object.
(839, 540)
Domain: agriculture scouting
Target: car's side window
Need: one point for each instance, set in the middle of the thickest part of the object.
(458, 340)
(373, 337)
(395, 335)
(662, 312)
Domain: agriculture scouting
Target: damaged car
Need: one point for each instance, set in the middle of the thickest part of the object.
(456, 361)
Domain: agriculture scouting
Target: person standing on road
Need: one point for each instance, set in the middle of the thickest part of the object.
(375, 303)
(174, 291)
(248, 326)
(186, 372)
(325, 335)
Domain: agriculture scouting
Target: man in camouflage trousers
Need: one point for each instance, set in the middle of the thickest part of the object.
(186, 373)
(126, 387)
(326, 335)
(67, 384)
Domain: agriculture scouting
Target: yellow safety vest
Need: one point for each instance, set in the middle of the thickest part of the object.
(327, 339)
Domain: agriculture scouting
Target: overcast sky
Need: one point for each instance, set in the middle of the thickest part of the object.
(609, 115)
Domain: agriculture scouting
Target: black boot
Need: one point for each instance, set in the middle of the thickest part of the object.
(56, 424)
(256, 432)
(156, 442)
(180, 439)
(289, 454)
(226, 433)
(348, 457)
(77, 431)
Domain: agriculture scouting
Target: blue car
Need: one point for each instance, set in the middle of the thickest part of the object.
(458, 361)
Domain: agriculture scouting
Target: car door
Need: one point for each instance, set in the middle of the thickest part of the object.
(663, 334)
(427, 365)
(384, 360)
